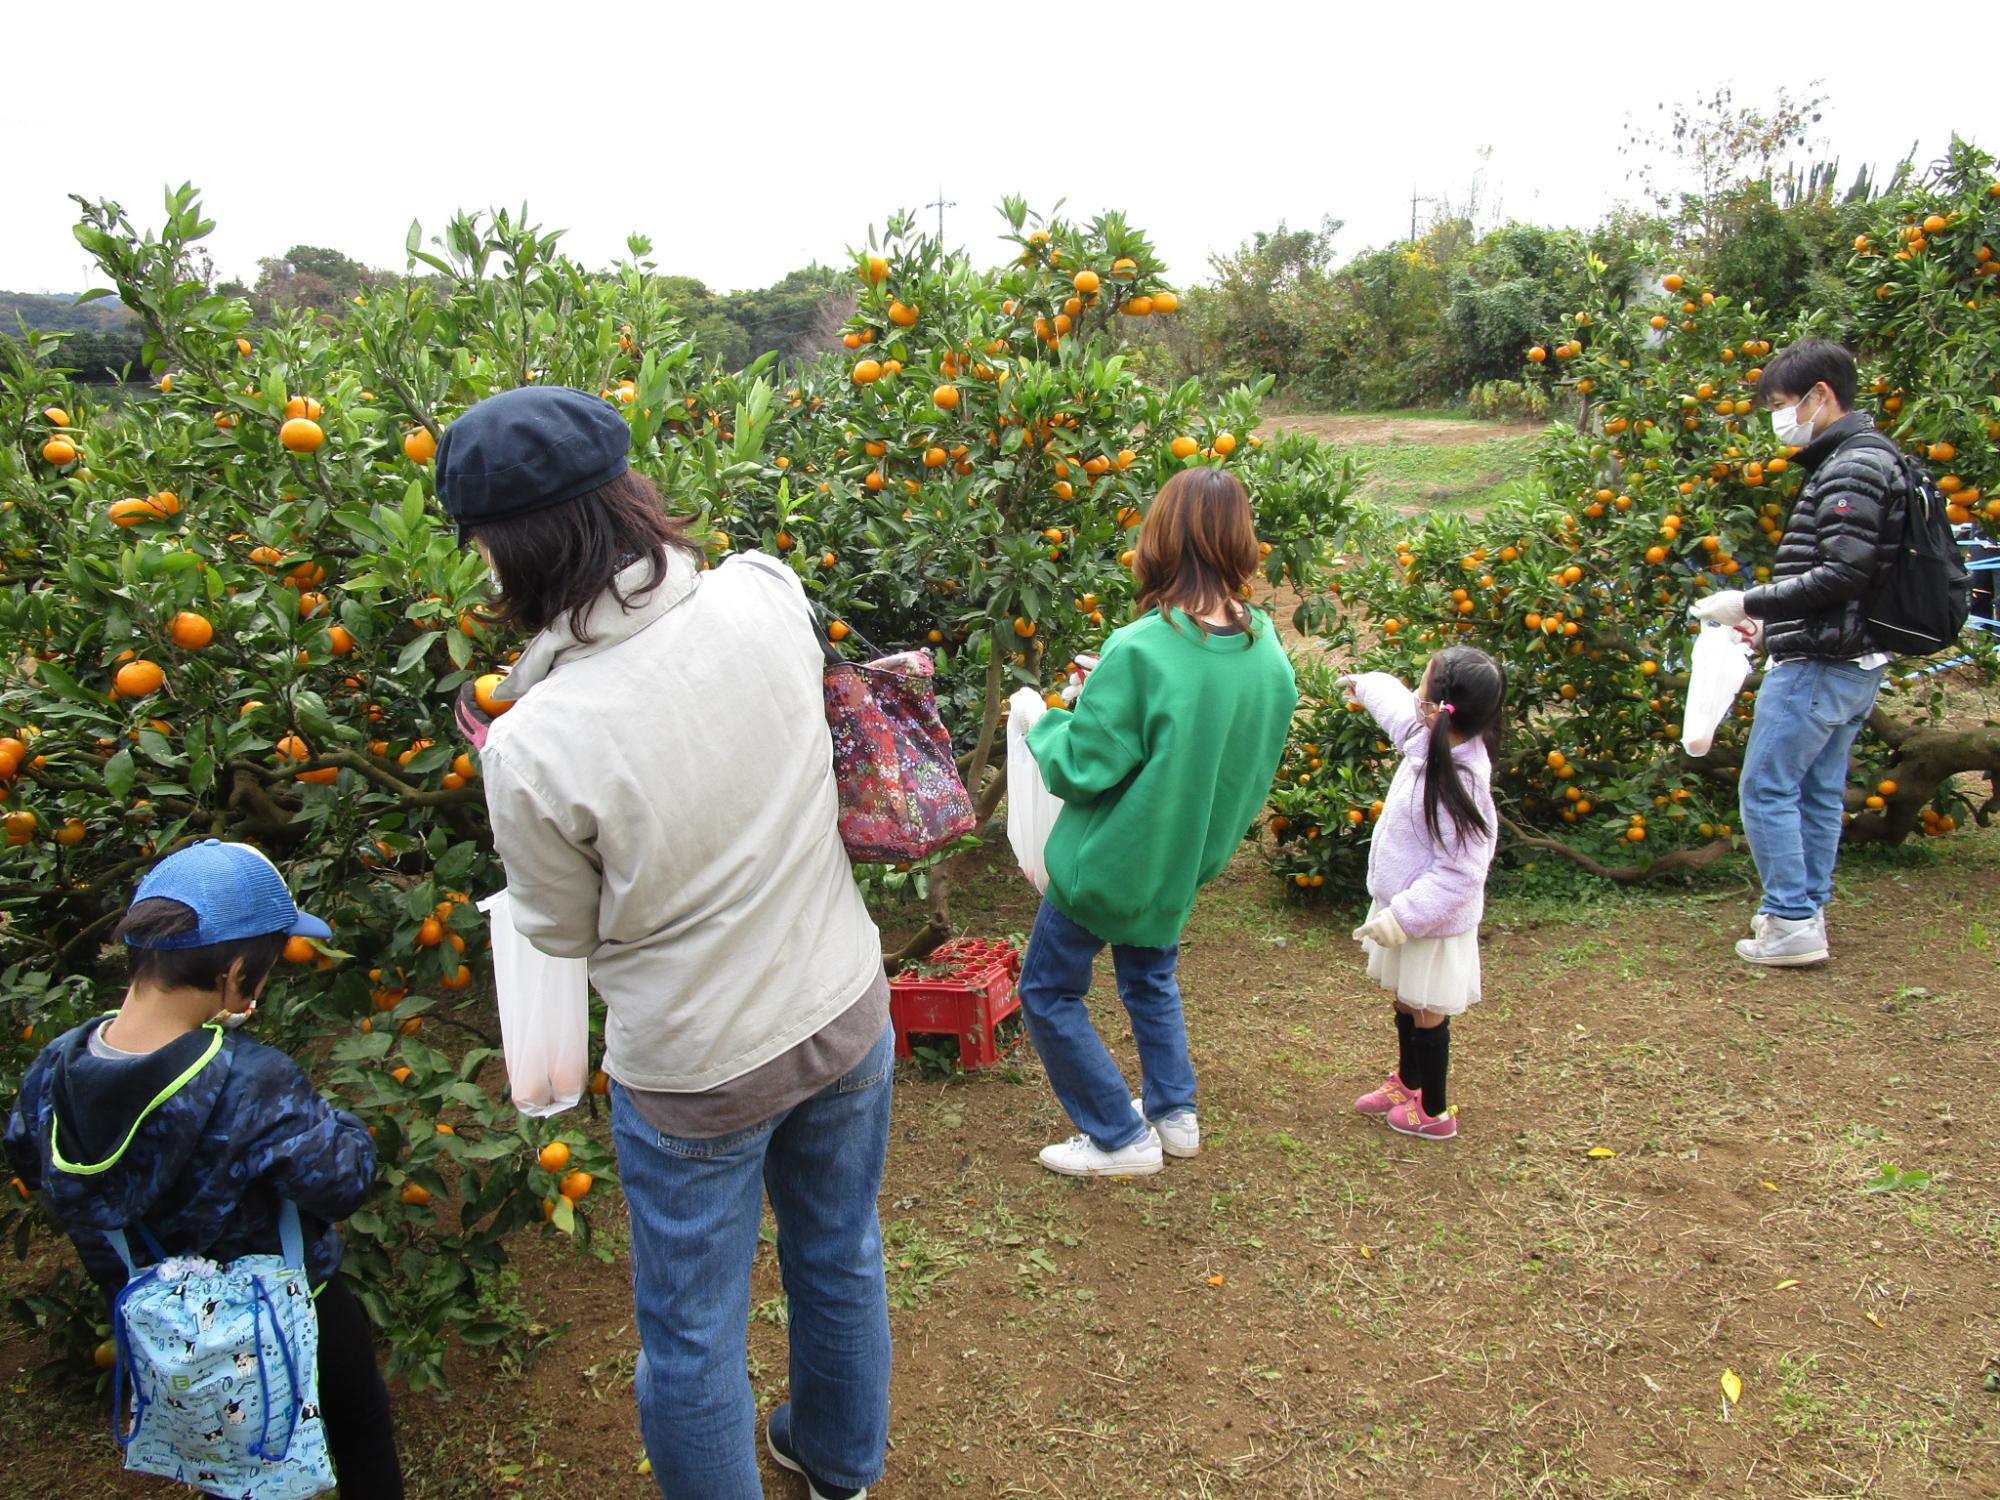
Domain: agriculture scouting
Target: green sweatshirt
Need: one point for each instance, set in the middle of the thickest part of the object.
(1162, 767)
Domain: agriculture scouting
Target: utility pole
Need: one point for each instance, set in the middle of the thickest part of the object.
(941, 205)
(1414, 201)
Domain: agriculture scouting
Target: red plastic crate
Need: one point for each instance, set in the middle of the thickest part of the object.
(966, 990)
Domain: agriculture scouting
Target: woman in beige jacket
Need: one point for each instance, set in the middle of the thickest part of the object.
(662, 795)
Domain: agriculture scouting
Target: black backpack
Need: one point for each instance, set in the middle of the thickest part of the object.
(1921, 598)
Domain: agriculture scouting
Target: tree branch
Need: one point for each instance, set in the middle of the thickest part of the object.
(1681, 859)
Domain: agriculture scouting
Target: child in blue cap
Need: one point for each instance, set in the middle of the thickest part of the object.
(159, 1115)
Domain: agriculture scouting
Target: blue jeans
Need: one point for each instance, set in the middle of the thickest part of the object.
(696, 1206)
(1055, 977)
(1795, 776)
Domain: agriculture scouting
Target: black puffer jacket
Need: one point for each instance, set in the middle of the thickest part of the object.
(1837, 542)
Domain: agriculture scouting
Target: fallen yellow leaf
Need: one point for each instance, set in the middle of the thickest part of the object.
(645, 1466)
(1786, 1285)
(1875, 1320)
(1769, 1187)
(1366, 1253)
(1215, 1281)
(1732, 1385)
(1600, 1152)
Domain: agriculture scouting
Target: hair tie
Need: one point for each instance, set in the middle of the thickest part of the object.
(1449, 708)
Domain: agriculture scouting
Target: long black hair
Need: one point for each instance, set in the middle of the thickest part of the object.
(1470, 691)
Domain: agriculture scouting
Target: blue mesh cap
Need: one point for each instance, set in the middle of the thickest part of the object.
(234, 891)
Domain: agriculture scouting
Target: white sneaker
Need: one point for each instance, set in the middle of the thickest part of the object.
(1180, 1132)
(1781, 943)
(1079, 1157)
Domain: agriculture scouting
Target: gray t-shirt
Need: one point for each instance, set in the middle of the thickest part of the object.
(790, 1078)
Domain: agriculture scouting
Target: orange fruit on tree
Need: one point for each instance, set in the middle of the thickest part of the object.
(1085, 282)
(430, 932)
(936, 458)
(484, 691)
(945, 398)
(458, 979)
(132, 512)
(1023, 627)
(71, 833)
(167, 503)
(415, 1194)
(1165, 302)
(419, 447)
(553, 1157)
(303, 406)
(190, 631)
(1225, 443)
(875, 270)
(301, 435)
(341, 639)
(59, 451)
(57, 417)
(837, 631)
(575, 1184)
(300, 950)
(291, 747)
(20, 825)
(1886, 788)
(867, 372)
(902, 315)
(138, 678)
(1183, 447)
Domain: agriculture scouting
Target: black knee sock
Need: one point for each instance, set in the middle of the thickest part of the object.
(1433, 1059)
(1406, 1057)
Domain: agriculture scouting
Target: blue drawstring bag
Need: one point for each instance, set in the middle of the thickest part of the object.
(218, 1369)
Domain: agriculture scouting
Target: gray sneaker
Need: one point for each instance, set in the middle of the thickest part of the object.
(1781, 943)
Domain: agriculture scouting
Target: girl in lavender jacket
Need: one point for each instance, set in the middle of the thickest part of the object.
(1427, 870)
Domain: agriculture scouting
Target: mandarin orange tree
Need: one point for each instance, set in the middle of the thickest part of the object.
(969, 475)
(231, 607)
(1666, 486)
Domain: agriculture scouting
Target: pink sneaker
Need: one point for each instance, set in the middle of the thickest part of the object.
(1384, 1099)
(1408, 1118)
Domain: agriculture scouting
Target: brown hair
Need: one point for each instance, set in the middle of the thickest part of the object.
(1198, 548)
(560, 560)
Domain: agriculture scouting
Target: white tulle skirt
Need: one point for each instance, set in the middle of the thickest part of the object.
(1440, 974)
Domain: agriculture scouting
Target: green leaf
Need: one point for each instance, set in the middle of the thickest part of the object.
(119, 775)
(564, 1216)
(414, 652)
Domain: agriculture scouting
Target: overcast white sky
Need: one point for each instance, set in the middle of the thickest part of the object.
(749, 139)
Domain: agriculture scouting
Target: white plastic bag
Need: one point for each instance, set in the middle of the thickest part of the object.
(1031, 806)
(1721, 662)
(544, 1016)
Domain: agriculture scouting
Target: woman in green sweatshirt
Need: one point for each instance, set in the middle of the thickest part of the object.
(1161, 769)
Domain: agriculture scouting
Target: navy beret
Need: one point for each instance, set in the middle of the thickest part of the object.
(526, 450)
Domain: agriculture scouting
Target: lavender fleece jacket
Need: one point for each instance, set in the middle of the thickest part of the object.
(1435, 889)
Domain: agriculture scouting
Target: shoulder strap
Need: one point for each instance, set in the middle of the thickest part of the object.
(291, 1235)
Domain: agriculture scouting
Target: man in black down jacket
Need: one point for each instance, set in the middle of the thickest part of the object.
(1824, 667)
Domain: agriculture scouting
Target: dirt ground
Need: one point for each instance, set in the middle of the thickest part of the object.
(1378, 428)
(1669, 1167)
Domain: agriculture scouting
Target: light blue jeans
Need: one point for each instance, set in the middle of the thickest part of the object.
(1055, 977)
(1809, 711)
(696, 1206)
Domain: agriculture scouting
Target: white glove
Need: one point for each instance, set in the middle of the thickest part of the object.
(1383, 930)
(1025, 707)
(1725, 608)
(1073, 689)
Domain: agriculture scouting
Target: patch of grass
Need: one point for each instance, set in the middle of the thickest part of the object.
(1469, 476)
(918, 1261)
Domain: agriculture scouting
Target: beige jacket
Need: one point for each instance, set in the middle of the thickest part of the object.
(663, 800)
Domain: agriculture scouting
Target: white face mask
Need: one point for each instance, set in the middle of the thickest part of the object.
(1790, 428)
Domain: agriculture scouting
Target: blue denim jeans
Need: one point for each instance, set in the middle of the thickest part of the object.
(1795, 776)
(1055, 977)
(696, 1206)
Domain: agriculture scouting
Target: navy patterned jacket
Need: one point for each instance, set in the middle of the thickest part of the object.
(200, 1140)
